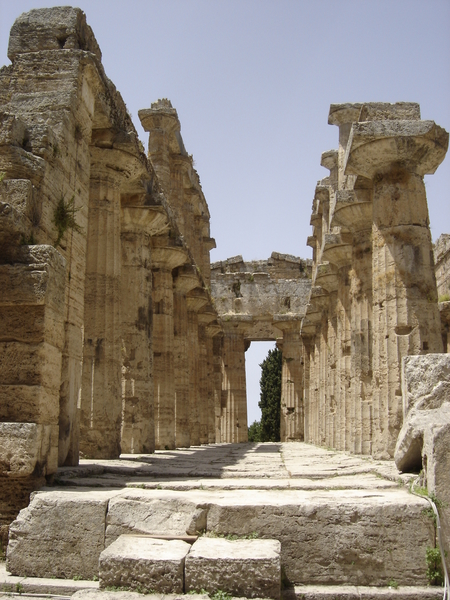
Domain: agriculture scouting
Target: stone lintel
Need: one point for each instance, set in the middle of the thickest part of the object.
(235, 323)
(152, 220)
(329, 159)
(376, 146)
(385, 111)
(288, 322)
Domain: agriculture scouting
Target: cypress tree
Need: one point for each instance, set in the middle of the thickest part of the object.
(270, 384)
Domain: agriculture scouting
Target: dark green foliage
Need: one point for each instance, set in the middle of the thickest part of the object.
(435, 574)
(270, 402)
(254, 432)
(64, 218)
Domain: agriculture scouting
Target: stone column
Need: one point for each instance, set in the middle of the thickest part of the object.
(206, 316)
(101, 393)
(185, 280)
(161, 121)
(138, 223)
(197, 299)
(353, 213)
(166, 256)
(292, 410)
(216, 336)
(233, 385)
(395, 155)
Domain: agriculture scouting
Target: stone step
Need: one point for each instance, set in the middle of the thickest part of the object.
(328, 536)
(247, 568)
(62, 589)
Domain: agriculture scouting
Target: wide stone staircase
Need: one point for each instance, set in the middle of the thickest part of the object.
(229, 520)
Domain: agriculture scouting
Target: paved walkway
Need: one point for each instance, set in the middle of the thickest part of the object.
(294, 465)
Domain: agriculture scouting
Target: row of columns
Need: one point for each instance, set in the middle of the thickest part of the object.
(374, 298)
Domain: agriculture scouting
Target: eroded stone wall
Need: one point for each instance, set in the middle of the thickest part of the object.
(101, 250)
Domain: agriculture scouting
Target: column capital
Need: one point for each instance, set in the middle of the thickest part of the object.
(352, 211)
(327, 276)
(166, 254)
(144, 219)
(288, 322)
(186, 279)
(376, 146)
(337, 249)
(161, 115)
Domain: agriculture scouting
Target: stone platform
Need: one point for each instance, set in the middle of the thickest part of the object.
(342, 520)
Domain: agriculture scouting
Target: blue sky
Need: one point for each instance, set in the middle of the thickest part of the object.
(252, 81)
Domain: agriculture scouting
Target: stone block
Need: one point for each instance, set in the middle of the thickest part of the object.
(246, 568)
(426, 405)
(139, 511)
(140, 562)
(24, 448)
(59, 535)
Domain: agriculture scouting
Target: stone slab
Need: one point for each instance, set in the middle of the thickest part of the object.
(143, 563)
(347, 592)
(41, 585)
(248, 568)
(60, 534)
(126, 595)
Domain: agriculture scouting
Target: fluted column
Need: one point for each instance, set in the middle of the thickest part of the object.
(206, 316)
(185, 280)
(395, 155)
(136, 315)
(101, 395)
(138, 224)
(292, 410)
(165, 257)
(196, 300)
(234, 386)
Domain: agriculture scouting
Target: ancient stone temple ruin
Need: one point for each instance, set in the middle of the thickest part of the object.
(117, 335)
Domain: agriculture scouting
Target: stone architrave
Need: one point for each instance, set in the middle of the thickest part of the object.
(395, 155)
(166, 256)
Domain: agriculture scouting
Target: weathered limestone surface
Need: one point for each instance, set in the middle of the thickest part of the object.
(85, 218)
(340, 519)
(139, 562)
(134, 511)
(424, 439)
(245, 568)
(373, 255)
(260, 300)
(60, 535)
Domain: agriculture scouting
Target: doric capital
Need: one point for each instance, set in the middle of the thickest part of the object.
(375, 146)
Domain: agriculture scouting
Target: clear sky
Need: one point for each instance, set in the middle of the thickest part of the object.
(252, 81)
